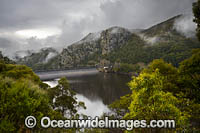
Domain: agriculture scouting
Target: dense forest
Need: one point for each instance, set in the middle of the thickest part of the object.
(22, 94)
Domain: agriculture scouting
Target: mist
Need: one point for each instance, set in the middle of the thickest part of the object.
(186, 26)
(75, 19)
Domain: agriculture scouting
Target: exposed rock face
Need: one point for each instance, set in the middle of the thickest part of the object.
(99, 44)
(120, 45)
(76, 53)
(113, 38)
(86, 52)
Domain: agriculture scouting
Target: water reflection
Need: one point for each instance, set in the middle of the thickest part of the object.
(107, 87)
(94, 107)
(97, 90)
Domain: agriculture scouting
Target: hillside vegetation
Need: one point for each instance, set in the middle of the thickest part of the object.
(168, 45)
(120, 45)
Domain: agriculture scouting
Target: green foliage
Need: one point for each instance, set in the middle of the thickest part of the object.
(170, 46)
(150, 102)
(130, 53)
(19, 99)
(65, 100)
(120, 107)
(189, 76)
(173, 49)
(169, 73)
(127, 68)
(18, 72)
(196, 11)
(162, 91)
(164, 68)
(23, 94)
(2, 66)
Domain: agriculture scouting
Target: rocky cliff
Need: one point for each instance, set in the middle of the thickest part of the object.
(120, 45)
(91, 49)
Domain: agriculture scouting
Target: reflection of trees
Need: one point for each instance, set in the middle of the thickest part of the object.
(107, 87)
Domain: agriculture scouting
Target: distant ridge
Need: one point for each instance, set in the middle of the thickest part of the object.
(121, 45)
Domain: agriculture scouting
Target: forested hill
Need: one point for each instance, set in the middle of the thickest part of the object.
(121, 45)
(163, 27)
(159, 41)
(37, 60)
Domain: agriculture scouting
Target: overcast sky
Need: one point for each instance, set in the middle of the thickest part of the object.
(33, 24)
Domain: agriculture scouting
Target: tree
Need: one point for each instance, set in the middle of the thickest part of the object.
(120, 107)
(22, 94)
(150, 102)
(19, 99)
(169, 73)
(189, 82)
(196, 11)
(162, 91)
(189, 76)
(63, 98)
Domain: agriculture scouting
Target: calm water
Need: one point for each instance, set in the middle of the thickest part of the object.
(96, 89)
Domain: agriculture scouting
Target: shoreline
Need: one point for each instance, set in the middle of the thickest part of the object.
(67, 73)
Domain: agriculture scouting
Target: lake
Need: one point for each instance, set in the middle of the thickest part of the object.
(95, 89)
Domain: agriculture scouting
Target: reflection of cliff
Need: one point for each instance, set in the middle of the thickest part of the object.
(107, 87)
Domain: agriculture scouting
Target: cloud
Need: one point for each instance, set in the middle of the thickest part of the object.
(50, 56)
(186, 26)
(8, 46)
(143, 13)
(23, 14)
(77, 18)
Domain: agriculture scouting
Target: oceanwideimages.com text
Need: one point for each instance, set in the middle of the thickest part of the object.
(96, 122)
